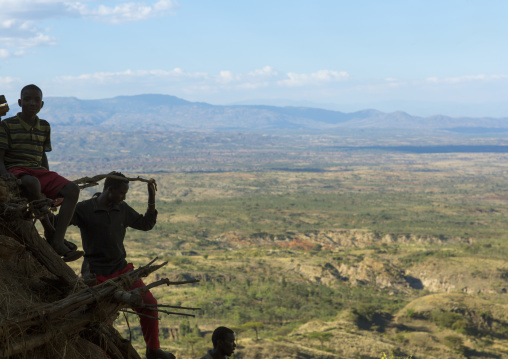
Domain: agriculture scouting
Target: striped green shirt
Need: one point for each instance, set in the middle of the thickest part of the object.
(24, 145)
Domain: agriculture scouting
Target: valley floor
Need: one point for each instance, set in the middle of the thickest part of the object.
(395, 253)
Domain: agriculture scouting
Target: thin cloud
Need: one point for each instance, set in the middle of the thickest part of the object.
(124, 12)
(465, 78)
(38, 39)
(266, 71)
(10, 88)
(323, 76)
(4, 53)
(393, 82)
(20, 20)
(226, 79)
(129, 75)
(7, 81)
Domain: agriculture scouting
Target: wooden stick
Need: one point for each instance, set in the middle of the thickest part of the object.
(132, 299)
(86, 182)
(168, 306)
(140, 314)
(161, 282)
(172, 313)
(87, 298)
(157, 310)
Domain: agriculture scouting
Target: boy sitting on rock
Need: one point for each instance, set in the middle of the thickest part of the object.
(24, 141)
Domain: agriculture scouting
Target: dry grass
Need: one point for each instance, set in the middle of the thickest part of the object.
(24, 287)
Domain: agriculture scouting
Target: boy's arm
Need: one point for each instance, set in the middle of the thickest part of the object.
(45, 162)
(3, 170)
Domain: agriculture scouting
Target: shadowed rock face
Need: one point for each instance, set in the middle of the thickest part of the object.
(413, 282)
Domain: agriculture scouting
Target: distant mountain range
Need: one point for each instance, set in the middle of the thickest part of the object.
(169, 113)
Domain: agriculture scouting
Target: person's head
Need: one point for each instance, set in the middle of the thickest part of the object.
(30, 100)
(116, 189)
(223, 340)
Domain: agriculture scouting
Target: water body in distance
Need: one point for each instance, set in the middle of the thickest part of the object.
(430, 149)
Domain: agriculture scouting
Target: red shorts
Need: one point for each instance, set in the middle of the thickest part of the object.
(51, 182)
(149, 326)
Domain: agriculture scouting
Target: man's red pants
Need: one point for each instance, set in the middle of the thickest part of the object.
(149, 326)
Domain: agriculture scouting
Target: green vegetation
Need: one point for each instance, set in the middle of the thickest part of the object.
(456, 344)
(322, 337)
(256, 326)
(392, 357)
(344, 262)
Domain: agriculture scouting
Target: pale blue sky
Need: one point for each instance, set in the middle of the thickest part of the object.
(423, 57)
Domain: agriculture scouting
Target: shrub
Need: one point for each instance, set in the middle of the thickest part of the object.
(392, 357)
(455, 343)
(321, 336)
(410, 313)
(445, 319)
(453, 321)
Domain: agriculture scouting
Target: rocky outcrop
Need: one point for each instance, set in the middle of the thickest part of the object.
(47, 311)
(383, 275)
(330, 239)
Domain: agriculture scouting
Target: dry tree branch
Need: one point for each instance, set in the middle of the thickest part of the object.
(140, 314)
(172, 313)
(79, 311)
(168, 306)
(86, 182)
(161, 282)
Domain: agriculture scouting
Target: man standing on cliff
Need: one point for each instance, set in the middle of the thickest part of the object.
(103, 220)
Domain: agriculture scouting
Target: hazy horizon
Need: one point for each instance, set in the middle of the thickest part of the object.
(422, 58)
